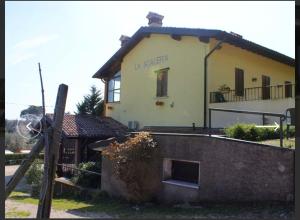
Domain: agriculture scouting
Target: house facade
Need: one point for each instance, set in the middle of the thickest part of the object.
(169, 77)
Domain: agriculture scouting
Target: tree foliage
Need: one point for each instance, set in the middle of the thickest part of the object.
(10, 125)
(136, 163)
(14, 142)
(33, 110)
(92, 104)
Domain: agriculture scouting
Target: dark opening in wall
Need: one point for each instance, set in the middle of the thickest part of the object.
(185, 171)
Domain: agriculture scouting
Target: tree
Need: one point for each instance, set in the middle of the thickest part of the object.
(92, 104)
(33, 110)
(10, 125)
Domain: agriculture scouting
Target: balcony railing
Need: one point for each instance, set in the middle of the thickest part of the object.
(254, 93)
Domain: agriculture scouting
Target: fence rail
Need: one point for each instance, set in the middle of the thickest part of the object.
(254, 93)
(73, 167)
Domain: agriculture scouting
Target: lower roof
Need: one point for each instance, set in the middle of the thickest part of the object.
(88, 126)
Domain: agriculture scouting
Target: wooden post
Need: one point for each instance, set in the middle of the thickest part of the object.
(44, 206)
(18, 175)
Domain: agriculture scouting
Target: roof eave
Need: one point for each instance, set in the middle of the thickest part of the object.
(104, 71)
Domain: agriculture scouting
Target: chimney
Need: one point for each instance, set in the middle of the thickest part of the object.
(124, 39)
(236, 35)
(155, 20)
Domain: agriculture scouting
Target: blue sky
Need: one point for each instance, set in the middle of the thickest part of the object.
(72, 40)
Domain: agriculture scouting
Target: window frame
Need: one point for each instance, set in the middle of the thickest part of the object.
(162, 84)
(116, 75)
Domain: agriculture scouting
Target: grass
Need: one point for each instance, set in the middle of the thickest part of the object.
(287, 143)
(121, 208)
(17, 214)
(57, 203)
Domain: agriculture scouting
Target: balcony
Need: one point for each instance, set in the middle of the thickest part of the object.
(254, 93)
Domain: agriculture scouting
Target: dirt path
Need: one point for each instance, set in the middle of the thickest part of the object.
(9, 171)
(14, 206)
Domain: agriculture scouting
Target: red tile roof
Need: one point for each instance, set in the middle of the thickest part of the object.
(90, 126)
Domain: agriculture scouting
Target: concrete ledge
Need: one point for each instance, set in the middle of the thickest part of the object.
(217, 137)
(181, 183)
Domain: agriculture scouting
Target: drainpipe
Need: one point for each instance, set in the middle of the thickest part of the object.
(105, 95)
(218, 46)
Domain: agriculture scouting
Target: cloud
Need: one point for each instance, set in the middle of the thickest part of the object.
(19, 57)
(35, 42)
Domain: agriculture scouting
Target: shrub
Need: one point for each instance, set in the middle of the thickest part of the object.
(85, 179)
(252, 133)
(291, 131)
(135, 162)
(34, 176)
(14, 142)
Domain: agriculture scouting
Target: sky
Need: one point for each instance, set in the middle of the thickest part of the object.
(72, 40)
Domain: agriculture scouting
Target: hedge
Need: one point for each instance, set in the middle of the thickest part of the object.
(16, 159)
(252, 133)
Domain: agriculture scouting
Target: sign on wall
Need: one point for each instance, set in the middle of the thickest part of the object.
(151, 62)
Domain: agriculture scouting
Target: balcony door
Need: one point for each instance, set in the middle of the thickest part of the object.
(266, 81)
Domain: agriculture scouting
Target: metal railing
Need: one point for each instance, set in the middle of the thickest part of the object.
(281, 117)
(77, 170)
(254, 93)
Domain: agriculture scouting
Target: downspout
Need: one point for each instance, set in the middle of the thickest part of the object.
(218, 46)
(105, 96)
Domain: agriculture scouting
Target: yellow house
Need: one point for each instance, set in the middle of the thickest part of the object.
(169, 77)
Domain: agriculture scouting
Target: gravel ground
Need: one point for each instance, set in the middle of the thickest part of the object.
(9, 171)
(11, 205)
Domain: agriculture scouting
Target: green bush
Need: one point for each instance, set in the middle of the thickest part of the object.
(291, 131)
(34, 176)
(85, 179)
(14, 159)
(252, 133)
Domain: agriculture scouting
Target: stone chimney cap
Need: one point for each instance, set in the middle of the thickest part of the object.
(124, 39)
(155, 20)
(154, 15)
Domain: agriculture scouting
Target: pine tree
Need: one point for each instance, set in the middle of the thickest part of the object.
(92, 104)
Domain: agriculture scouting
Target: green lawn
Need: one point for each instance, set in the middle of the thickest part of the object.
(60, 204)
(17, 214)
(287, 143)
(123, 209)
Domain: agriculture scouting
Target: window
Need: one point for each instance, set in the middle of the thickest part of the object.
(181, 172)
(288, 89)
(114, 86)
(239, 82)
(266, 82)
(162, 82)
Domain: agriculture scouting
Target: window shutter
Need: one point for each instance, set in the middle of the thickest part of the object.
(266, 87)
(159, 85)
(162, 82)
(288, 89)
(239, 82)
(165, 83)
